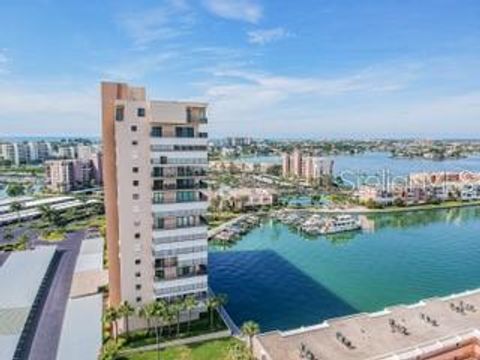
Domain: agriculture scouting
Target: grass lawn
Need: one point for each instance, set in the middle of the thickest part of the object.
(53, 236)
(210, 350)
(198, 327)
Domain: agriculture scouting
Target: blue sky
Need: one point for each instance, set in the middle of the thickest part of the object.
(305, 68)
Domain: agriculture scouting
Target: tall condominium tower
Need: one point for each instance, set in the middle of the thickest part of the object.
(155, 164)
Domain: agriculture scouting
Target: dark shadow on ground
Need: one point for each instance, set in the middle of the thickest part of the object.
(264, 287)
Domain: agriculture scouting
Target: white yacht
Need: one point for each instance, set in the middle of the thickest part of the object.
(341, 223)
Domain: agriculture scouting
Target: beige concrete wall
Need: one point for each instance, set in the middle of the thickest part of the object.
(134, 214)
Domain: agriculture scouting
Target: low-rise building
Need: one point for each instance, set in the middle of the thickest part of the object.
(470, 192)
(246, 198)
(377, 195)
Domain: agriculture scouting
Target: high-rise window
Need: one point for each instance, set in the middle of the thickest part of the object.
(184, 132)
(119, 113)
(156, 131)
(141, 112)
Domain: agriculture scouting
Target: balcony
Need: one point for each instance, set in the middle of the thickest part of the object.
(197, 115)
(158, 198)
(189, 275)
(162, 226)
(172, 187)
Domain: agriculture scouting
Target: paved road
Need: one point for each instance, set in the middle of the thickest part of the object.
(45, 341)
(3, 258)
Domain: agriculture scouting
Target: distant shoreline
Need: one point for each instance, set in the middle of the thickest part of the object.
(358, 210)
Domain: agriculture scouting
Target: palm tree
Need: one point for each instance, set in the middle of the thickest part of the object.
(111, 316)
(159, 311)
(190, 304)
(177, 307)
(169, 317)
(46, 213)
(126, 310)
(147, 312)
(214, 303)
(16, 207)
(250, 329)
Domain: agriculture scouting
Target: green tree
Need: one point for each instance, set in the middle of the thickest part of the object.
(14, 189)
(126, 310)
(250, 329)
(46, 213)
(190, 304)
(111, 316)
(147, 312)
(8, 234)
(214, 303)
(399, 202)
(110, 350)
(239, 352)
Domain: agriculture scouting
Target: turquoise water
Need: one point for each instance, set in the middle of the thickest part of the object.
(283, 280)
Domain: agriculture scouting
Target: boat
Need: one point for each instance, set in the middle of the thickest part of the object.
(341, 223)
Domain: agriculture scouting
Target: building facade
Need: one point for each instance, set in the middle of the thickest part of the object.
(310, 168)
(155, 164)
(73, 174)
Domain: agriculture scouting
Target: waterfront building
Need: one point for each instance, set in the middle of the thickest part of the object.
(470, 192)
(239, 141)
(247, 198)
(310, 168)
(73, 174)
(240, 167)
(296, 163)
(376, 194)
(315, 168)
(155, 162)
(285, 164)
(434, 329)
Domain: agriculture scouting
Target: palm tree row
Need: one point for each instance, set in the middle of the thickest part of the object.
(160, 315)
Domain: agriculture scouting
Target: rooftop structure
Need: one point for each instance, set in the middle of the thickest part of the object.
(440, 328)
(81, 336)
(21, 279)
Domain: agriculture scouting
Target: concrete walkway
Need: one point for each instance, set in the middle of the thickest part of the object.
(219, 229)
(187, 341)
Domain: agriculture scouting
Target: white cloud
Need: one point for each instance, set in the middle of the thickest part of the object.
(272, 104)
(49, 109)
(243, 10)
(265, 36)
(132, 69)
(171, 19)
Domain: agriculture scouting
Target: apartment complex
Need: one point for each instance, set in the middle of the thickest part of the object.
(22, 153)
(310, 168)
(73, 174)
(155, 164)
(421, 188)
